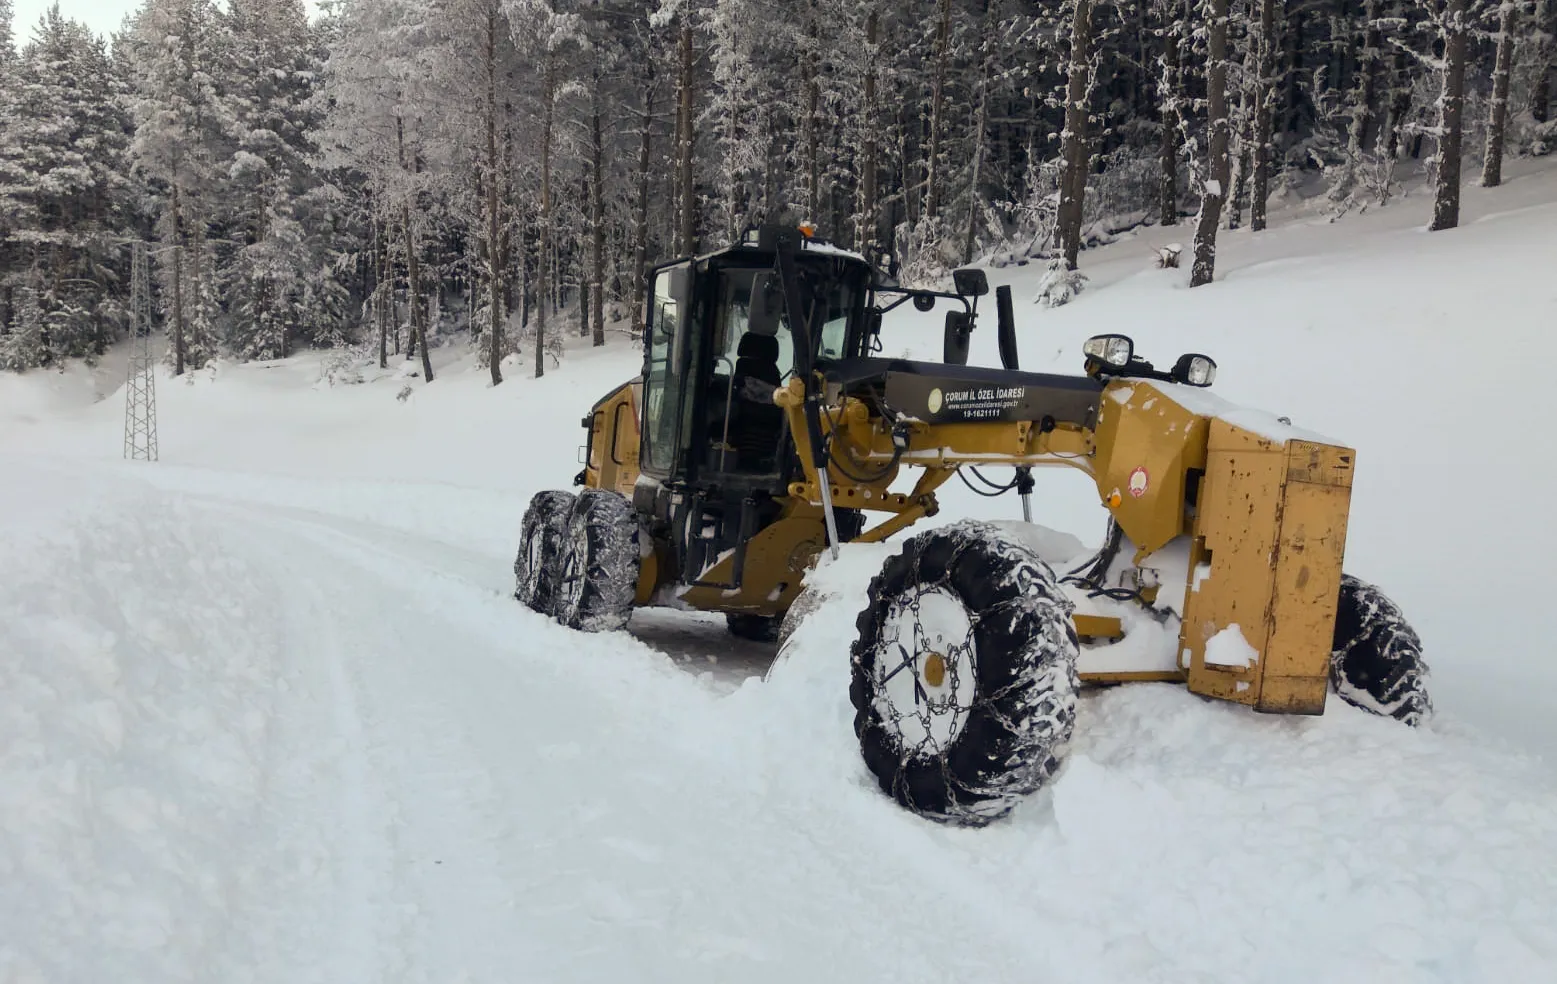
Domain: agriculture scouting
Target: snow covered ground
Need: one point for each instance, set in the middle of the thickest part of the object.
(267, 711)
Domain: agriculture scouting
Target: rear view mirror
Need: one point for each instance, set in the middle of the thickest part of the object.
(970, 282)
(762, 317)
(959, 335)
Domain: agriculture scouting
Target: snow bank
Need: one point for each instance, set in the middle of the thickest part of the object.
(137, 668)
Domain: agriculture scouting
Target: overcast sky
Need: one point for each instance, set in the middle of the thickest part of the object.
(102, 16)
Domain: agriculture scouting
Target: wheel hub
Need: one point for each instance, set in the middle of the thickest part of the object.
(933, 670)
(925, 669)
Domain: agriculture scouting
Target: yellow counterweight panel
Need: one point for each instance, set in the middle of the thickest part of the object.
(613, 441)
(1270, 536)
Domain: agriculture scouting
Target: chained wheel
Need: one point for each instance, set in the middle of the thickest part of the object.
(1376, 659)
(599, 563)
(540, 544)
(964, 674)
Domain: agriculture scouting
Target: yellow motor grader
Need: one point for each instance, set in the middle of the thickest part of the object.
(767, 430)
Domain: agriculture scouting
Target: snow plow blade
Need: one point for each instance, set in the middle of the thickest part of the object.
(1268, 544)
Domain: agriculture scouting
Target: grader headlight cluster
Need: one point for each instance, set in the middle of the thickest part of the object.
(1114, 355)
(1111, 350)
(1195, 370)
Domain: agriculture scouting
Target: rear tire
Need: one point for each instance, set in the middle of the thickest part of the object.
(1376, 659)
(540, 545)
(964, 741)
(598, 567)
(757, 628)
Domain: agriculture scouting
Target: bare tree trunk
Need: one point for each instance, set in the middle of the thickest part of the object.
(1446, 202)
(641, 232)
(549, 100)
(1265, 92)
(1546, 60)
(1367, 81)
(178, 283)
(494, 225)
(597, 218)
(1243, 160)
(870, 223)
(937, 98)
(1170, 92)
(1073, 141)
(1215, 190)
(1492, 168)
(686, 139)
(1293, 97)
(980, 121)
(414, 294)
(381, 289)
(810, 71)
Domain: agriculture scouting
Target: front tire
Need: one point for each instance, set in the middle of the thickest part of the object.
(1376, 658)
(540, 547)
(599, 564)
(964, 674)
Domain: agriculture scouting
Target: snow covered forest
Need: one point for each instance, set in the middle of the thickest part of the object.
(406, 174)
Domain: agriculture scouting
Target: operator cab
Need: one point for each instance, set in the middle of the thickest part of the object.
(720, 342)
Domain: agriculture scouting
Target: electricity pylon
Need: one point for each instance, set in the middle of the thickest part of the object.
(140, 391)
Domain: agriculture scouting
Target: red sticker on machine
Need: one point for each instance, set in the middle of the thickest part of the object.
(1139, 480)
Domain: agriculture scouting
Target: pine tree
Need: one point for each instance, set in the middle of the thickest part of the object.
(272, 71)
(62, 187)
(184, 125)
(26, 345)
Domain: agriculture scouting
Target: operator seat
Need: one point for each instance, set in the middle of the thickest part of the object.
(756, 422)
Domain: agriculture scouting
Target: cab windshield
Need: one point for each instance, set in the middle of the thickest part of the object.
(733, 319)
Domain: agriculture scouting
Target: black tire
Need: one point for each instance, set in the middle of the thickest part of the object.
(540, 544)
(598, 567)
(1017, 706)
(1376, 659)
(757, 628)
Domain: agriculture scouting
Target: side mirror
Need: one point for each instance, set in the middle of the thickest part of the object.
(1006, 327)
(959, 335)
(676, 280)
(762, 317)
(970, 282)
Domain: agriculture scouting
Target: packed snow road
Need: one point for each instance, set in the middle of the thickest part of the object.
(249, 740)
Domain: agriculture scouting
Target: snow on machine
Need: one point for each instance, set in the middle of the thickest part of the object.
(766, 429)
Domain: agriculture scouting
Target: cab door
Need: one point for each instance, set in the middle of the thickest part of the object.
(669, 357)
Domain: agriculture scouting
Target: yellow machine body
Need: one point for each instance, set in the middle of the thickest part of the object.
(1260, 509)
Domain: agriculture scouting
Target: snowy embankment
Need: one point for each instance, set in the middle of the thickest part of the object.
(267, 712)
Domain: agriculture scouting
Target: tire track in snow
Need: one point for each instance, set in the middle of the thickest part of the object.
(610, 791)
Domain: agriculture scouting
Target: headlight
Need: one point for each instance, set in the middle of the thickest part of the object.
(1113, 350)
(1195, 370)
